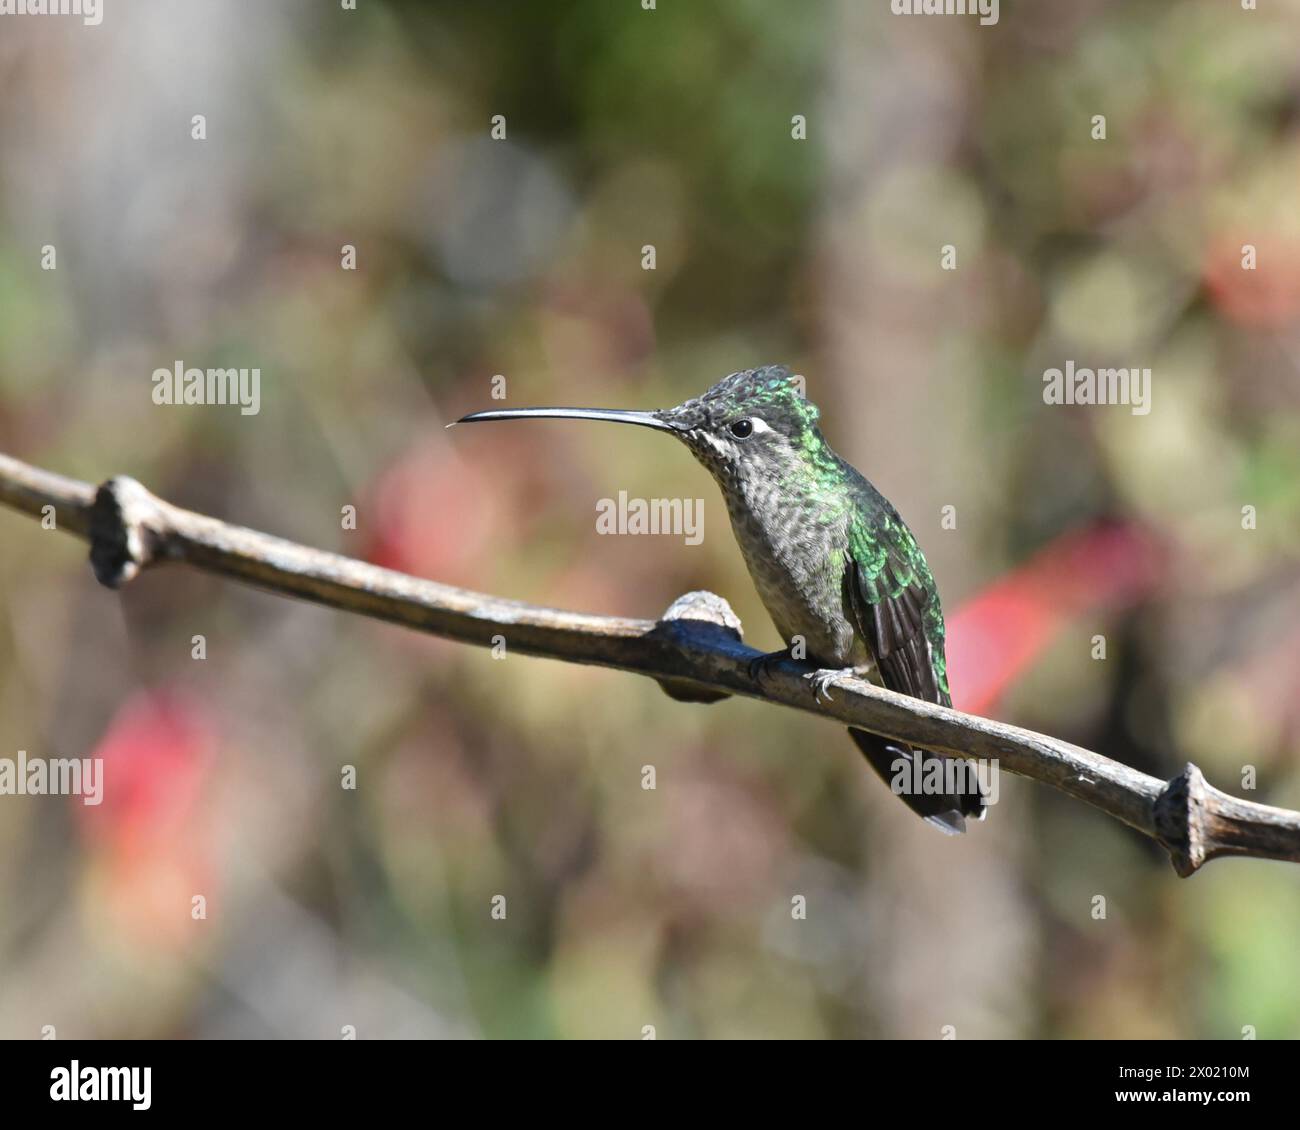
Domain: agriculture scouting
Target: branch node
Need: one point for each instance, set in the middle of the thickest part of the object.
(126, 531)
(707, 619)
(1180, 821)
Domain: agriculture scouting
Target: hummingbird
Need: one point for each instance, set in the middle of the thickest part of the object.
(837, 569)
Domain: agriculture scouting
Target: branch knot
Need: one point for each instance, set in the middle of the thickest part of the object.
(705, 619)
(1180, 820)
(126, 532)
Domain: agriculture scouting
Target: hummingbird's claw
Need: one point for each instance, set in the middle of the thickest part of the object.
(824, 679)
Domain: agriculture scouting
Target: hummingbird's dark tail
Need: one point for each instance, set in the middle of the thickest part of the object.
(912, 776)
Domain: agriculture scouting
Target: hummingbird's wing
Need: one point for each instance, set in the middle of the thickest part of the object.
(895, 607)
(892, 600)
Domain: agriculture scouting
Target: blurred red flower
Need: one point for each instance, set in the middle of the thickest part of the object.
(997, 634)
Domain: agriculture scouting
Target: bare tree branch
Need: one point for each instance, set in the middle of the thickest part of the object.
(695, 652)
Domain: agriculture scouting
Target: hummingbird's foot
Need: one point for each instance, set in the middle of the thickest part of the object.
(761, 665)
(822, 680)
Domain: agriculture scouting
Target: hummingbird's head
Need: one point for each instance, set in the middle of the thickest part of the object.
(752, 422)
(755, 420)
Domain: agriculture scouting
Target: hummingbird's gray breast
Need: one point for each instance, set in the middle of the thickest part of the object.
(794, 543)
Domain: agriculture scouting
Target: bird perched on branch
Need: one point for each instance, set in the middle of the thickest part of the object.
(838, 570)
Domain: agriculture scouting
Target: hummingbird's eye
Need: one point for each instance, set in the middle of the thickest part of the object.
(742, 428)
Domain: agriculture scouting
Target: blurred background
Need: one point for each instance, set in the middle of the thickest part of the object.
(523, 257)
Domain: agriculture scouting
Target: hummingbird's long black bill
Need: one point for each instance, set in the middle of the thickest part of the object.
(613, 415)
